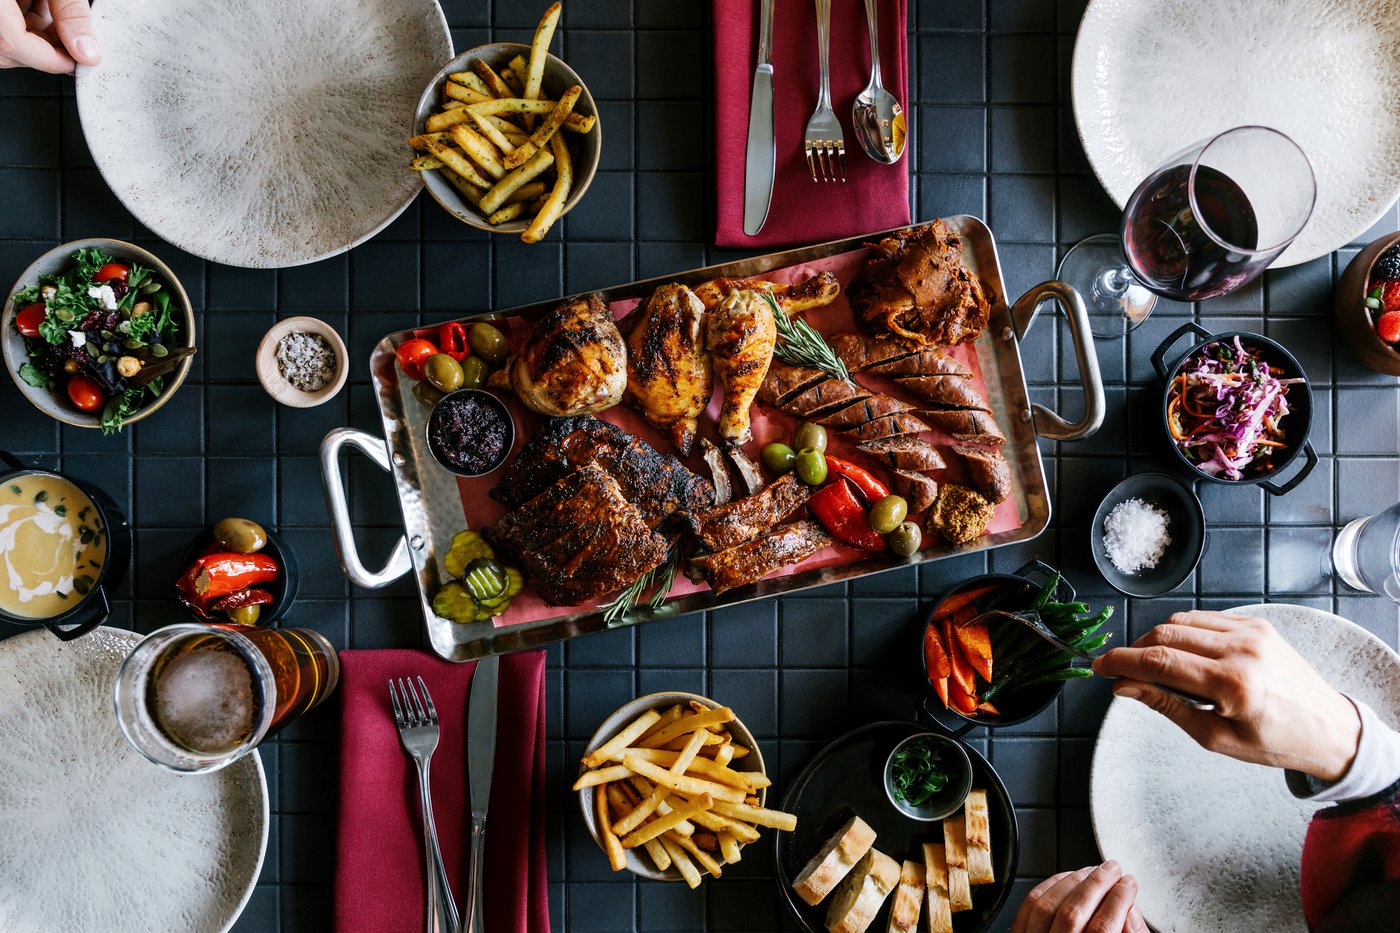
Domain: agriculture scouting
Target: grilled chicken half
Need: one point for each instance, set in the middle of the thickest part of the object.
(814, 292)
(668, 365)
(740, 334)
(573, 362)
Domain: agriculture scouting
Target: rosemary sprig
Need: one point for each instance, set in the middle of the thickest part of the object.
(799, 344)
(663, 575)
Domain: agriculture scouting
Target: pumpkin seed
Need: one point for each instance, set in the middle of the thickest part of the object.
(150, 288)
(158, 349)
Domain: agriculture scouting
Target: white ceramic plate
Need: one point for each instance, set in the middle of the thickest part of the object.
(264, 133)
(1151, 77)
(95, 836)
(1215, 843)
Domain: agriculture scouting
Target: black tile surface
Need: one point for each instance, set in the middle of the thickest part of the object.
(996, 138)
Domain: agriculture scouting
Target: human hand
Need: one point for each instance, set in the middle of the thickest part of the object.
(50, 35)
(1096, 899)
(1272, 708)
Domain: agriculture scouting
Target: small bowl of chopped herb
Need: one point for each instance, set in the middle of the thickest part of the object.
(98, 333)
(1148, 535)
(301, 362)
(927, 776)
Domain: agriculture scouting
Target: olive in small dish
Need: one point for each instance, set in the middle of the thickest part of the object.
(470, 432)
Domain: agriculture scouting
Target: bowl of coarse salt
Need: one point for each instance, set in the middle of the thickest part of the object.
(1148, 535)
(301, 362)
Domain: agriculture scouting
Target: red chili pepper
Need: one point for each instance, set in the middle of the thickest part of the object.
(222, 574)
(413, 353)
(871, 488)
(185, 585)
(253, 597)
(836, 507)
(452, 340)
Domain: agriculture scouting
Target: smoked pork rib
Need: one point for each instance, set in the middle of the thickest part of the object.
(754, 560)
(658, 484)
(578, 539)
(736, 522)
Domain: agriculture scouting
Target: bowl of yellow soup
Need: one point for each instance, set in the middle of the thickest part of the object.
(64, 546)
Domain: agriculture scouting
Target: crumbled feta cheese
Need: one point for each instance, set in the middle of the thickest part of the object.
(104, 296)
(124, 327)
(78, 337)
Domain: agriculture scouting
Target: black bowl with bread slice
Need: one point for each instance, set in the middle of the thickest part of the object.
(855, 862)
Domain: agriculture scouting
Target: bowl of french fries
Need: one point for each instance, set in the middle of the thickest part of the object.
(672, 787)
(506, 136)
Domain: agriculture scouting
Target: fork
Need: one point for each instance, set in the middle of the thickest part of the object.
(417, 720)
(823, 142)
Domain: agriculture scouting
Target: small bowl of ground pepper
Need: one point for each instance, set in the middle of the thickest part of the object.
(301, 362)
(470, 432)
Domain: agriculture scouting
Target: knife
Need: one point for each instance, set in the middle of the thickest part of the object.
(481, 760)
(760, 159)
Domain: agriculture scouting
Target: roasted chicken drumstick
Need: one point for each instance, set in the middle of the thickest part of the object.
(740, 334)
(668, 366)
(814, 292)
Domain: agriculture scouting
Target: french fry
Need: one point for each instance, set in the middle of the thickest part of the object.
(687, 755)
(706, 860)
(520, 67)
(578, 123)
(657, 851)
(526, 193)
(707, 841)
(458, 163)
(668, 716)
(546, 129)
(489, 130)
(743, 832)
(678, 743)
(724, 754)
(447, 119)
(705, 767)
(506, 214)
(507, 129)
(517, 86)
(513, 105)
(466, 95)
(611, 748)
(493, 82)
(420, 142)
(601, 776)
(729, 847)
(493, 199)
(662, 824)
(425, 163)
(481, 151)
(469, 80)
(616, 857)
(539, 51)
(453, 104)
(688, 724)
(466, 189)
(684, 784)
(774, 819)
(682, 861)
(634, 818)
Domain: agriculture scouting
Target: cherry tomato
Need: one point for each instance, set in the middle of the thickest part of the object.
(413, 353)
(113, 270)
(85, 393)
(29, 319)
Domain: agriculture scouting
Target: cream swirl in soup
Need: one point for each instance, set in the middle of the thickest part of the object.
(52, 546)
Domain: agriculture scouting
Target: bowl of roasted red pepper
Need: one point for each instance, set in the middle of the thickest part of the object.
(996, 672)
(237, 572)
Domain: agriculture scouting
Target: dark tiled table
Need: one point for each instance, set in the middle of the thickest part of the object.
(996, 139)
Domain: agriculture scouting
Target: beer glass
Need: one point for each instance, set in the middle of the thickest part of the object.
(195, 698)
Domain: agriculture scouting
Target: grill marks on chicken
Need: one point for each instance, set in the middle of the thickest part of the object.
(740, 334)
(573, 362)
(579, 539)
(814, 292)
(656, 483)
(754, 560)
(669, 379)
(724, 526)
(915, 286)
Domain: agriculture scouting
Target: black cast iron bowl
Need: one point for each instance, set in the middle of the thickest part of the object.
(1186, 527)
(283, 589)
(1298, 423)
(1020, 705)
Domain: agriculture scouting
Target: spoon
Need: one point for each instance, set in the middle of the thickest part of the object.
(1031, 620)
(877, 118)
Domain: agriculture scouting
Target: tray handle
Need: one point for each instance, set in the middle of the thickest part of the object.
(399, 562)
(1023, 313)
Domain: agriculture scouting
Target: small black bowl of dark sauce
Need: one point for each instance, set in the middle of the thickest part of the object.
(470, 432)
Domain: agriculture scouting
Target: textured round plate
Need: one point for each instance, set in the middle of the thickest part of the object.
(1215, 843)
(1151, 77)
(97, 837)
(260, 134)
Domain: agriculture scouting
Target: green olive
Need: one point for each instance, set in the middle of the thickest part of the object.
(811, 466)
(488, 343)
(474, 372)
(886, 514)
(426, 393)
(245, 615)
(240, 535)
(779, 458)
(906, 539)
(443, 372)
(811, 435)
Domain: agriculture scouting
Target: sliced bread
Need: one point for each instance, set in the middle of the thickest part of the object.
(847, 846)
(904, 911)
(861, 893)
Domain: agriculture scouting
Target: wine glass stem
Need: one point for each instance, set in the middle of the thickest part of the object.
(1114, 282)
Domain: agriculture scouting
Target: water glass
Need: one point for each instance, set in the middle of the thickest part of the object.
(1366, 554)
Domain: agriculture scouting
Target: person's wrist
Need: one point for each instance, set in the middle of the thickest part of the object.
(1336, 739)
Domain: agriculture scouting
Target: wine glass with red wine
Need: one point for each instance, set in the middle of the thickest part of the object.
(1207, 222)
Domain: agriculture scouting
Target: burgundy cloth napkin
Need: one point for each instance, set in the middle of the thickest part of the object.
(875, 196)
(379, 883)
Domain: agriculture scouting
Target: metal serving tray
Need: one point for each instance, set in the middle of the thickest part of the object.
(432, 509)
